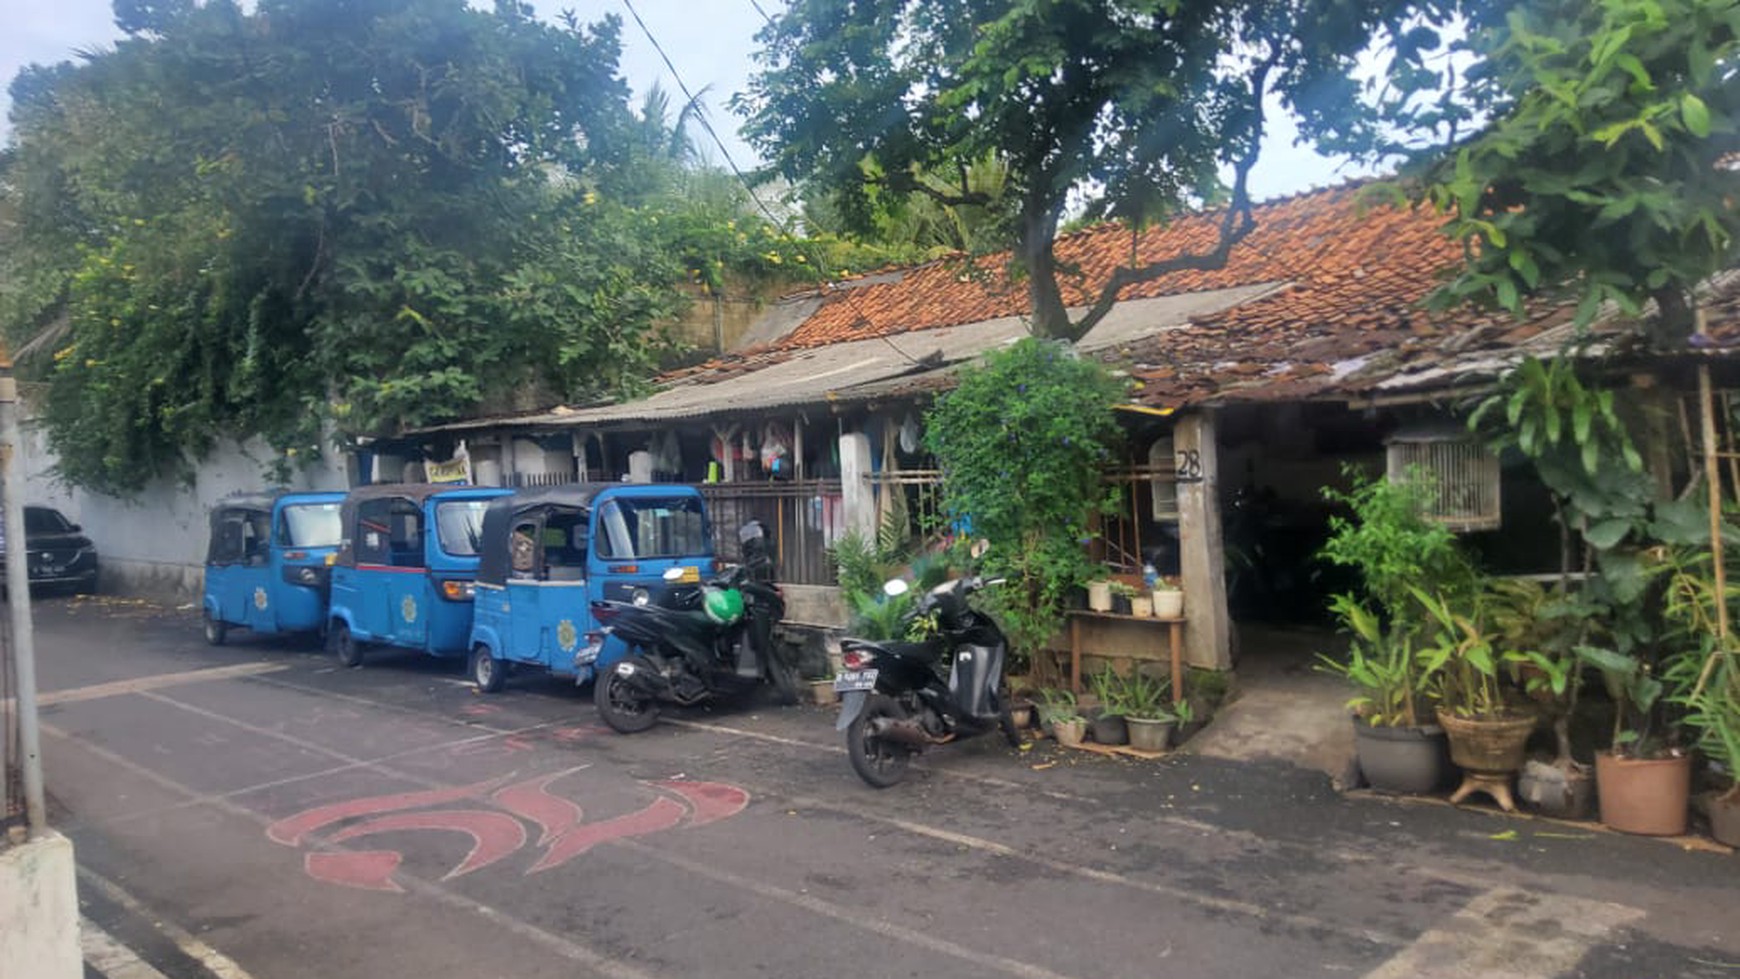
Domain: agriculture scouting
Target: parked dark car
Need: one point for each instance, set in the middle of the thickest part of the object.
(59, 554)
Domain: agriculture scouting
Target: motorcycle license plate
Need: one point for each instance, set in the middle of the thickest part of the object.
(850, 681)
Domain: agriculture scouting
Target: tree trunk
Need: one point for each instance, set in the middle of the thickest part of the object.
(1050, 320)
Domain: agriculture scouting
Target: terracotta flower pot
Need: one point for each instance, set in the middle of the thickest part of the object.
(1070, 733)
(1488, 746)
(1646, 796)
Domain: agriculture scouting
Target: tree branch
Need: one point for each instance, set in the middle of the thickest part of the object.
(906, 184)
(1235, 225)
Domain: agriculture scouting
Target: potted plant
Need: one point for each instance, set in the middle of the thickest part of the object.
(1142, 606)
(1146, 712)
(1099, 595)
(1645, 786)
(1058, 711)
(1707, 686)
(1168, 599)
(1108, 725)
(1487, 734)
(1397, 750)
(1122, 593)
(1188, 722)
(1388, 540)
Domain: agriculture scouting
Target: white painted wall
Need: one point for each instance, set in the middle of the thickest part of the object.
(155, 544)
(39, 910)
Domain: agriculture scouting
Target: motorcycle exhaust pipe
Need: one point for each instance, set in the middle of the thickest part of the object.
(904, 731)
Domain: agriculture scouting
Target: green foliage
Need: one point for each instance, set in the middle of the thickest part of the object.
(1108, 688)
(1462, 659)
(1057, 705)
(1145, 698)
(1022, 442)
(1597, 166)
(1391, 543)
(1380, 664)
(1130, 107)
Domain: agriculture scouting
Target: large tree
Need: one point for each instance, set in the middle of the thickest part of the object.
(369, 213)
(1602, 158)
(1131, 108)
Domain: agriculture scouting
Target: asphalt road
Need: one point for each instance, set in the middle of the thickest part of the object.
(254, 812)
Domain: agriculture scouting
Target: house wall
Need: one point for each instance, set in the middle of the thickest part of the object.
(154, 545)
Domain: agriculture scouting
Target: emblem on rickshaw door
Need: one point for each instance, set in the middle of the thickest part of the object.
(408, 609)
(567, 637)
(260, 599)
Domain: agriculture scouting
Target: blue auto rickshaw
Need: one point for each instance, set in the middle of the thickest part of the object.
(549, 553)
(266, 563)
(403, 575)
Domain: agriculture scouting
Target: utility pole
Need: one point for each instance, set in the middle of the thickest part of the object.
(18, 599)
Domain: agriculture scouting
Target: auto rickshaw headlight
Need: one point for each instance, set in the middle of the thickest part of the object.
(458, 591)
(640, 597)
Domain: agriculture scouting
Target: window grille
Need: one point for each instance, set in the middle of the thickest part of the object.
(1460, 475)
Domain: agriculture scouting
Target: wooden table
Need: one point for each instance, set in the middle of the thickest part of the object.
(1176, 640)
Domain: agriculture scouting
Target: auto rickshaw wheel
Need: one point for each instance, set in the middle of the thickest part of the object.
(344, 645)
(624, 710)
(216, 631)
(488, 674)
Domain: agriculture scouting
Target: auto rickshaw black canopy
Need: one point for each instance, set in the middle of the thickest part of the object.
(494, 557)
(224, 545)
(415, 493)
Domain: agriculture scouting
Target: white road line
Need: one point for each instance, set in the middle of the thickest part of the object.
(574, 952)
(120, 688)
(108, 956)
(1186, 895)
(835, 749)
(1508, 933)
(851, 916)
(215, 962)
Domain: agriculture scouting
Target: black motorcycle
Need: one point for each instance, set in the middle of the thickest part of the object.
(903, 697)
(696, 643)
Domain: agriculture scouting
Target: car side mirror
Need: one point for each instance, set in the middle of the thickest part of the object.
(77, 529)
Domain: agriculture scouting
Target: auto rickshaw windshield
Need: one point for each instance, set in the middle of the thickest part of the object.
(311, 525)
(459, 526)
(653, 528)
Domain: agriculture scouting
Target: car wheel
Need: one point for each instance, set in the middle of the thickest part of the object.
(216, 631)
(344, 645)
(488, 674)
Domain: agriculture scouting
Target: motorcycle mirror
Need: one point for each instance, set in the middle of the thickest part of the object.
(979, 548)
(673, 574)
(895, 587)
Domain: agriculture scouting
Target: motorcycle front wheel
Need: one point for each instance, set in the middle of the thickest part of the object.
(878, 762)
(626, 711)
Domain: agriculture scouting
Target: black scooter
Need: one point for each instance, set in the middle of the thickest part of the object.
(897, 701)
(682, 652)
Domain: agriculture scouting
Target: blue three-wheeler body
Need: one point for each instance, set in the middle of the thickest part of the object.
(266, 563)
(403, 575)
(549, 553)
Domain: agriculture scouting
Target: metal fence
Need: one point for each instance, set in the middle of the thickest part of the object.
(803, 519)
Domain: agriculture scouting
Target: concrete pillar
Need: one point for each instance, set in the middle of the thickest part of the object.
(857, 495)
(39, 910)
(1202, 559)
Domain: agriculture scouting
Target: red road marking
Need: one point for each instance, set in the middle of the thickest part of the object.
(370, 870)
(493, 834)
(532, 800)
(479, 710)
(709, 802)
(660, 815)
(494, 746)
(290, 831)
(569, 735)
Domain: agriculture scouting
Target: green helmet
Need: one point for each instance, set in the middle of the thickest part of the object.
(723, 605)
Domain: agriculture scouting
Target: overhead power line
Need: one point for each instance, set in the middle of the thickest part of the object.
(818, 260)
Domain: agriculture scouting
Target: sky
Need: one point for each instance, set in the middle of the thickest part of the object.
(709, 41)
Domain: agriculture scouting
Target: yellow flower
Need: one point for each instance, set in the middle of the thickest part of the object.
(589, 197)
